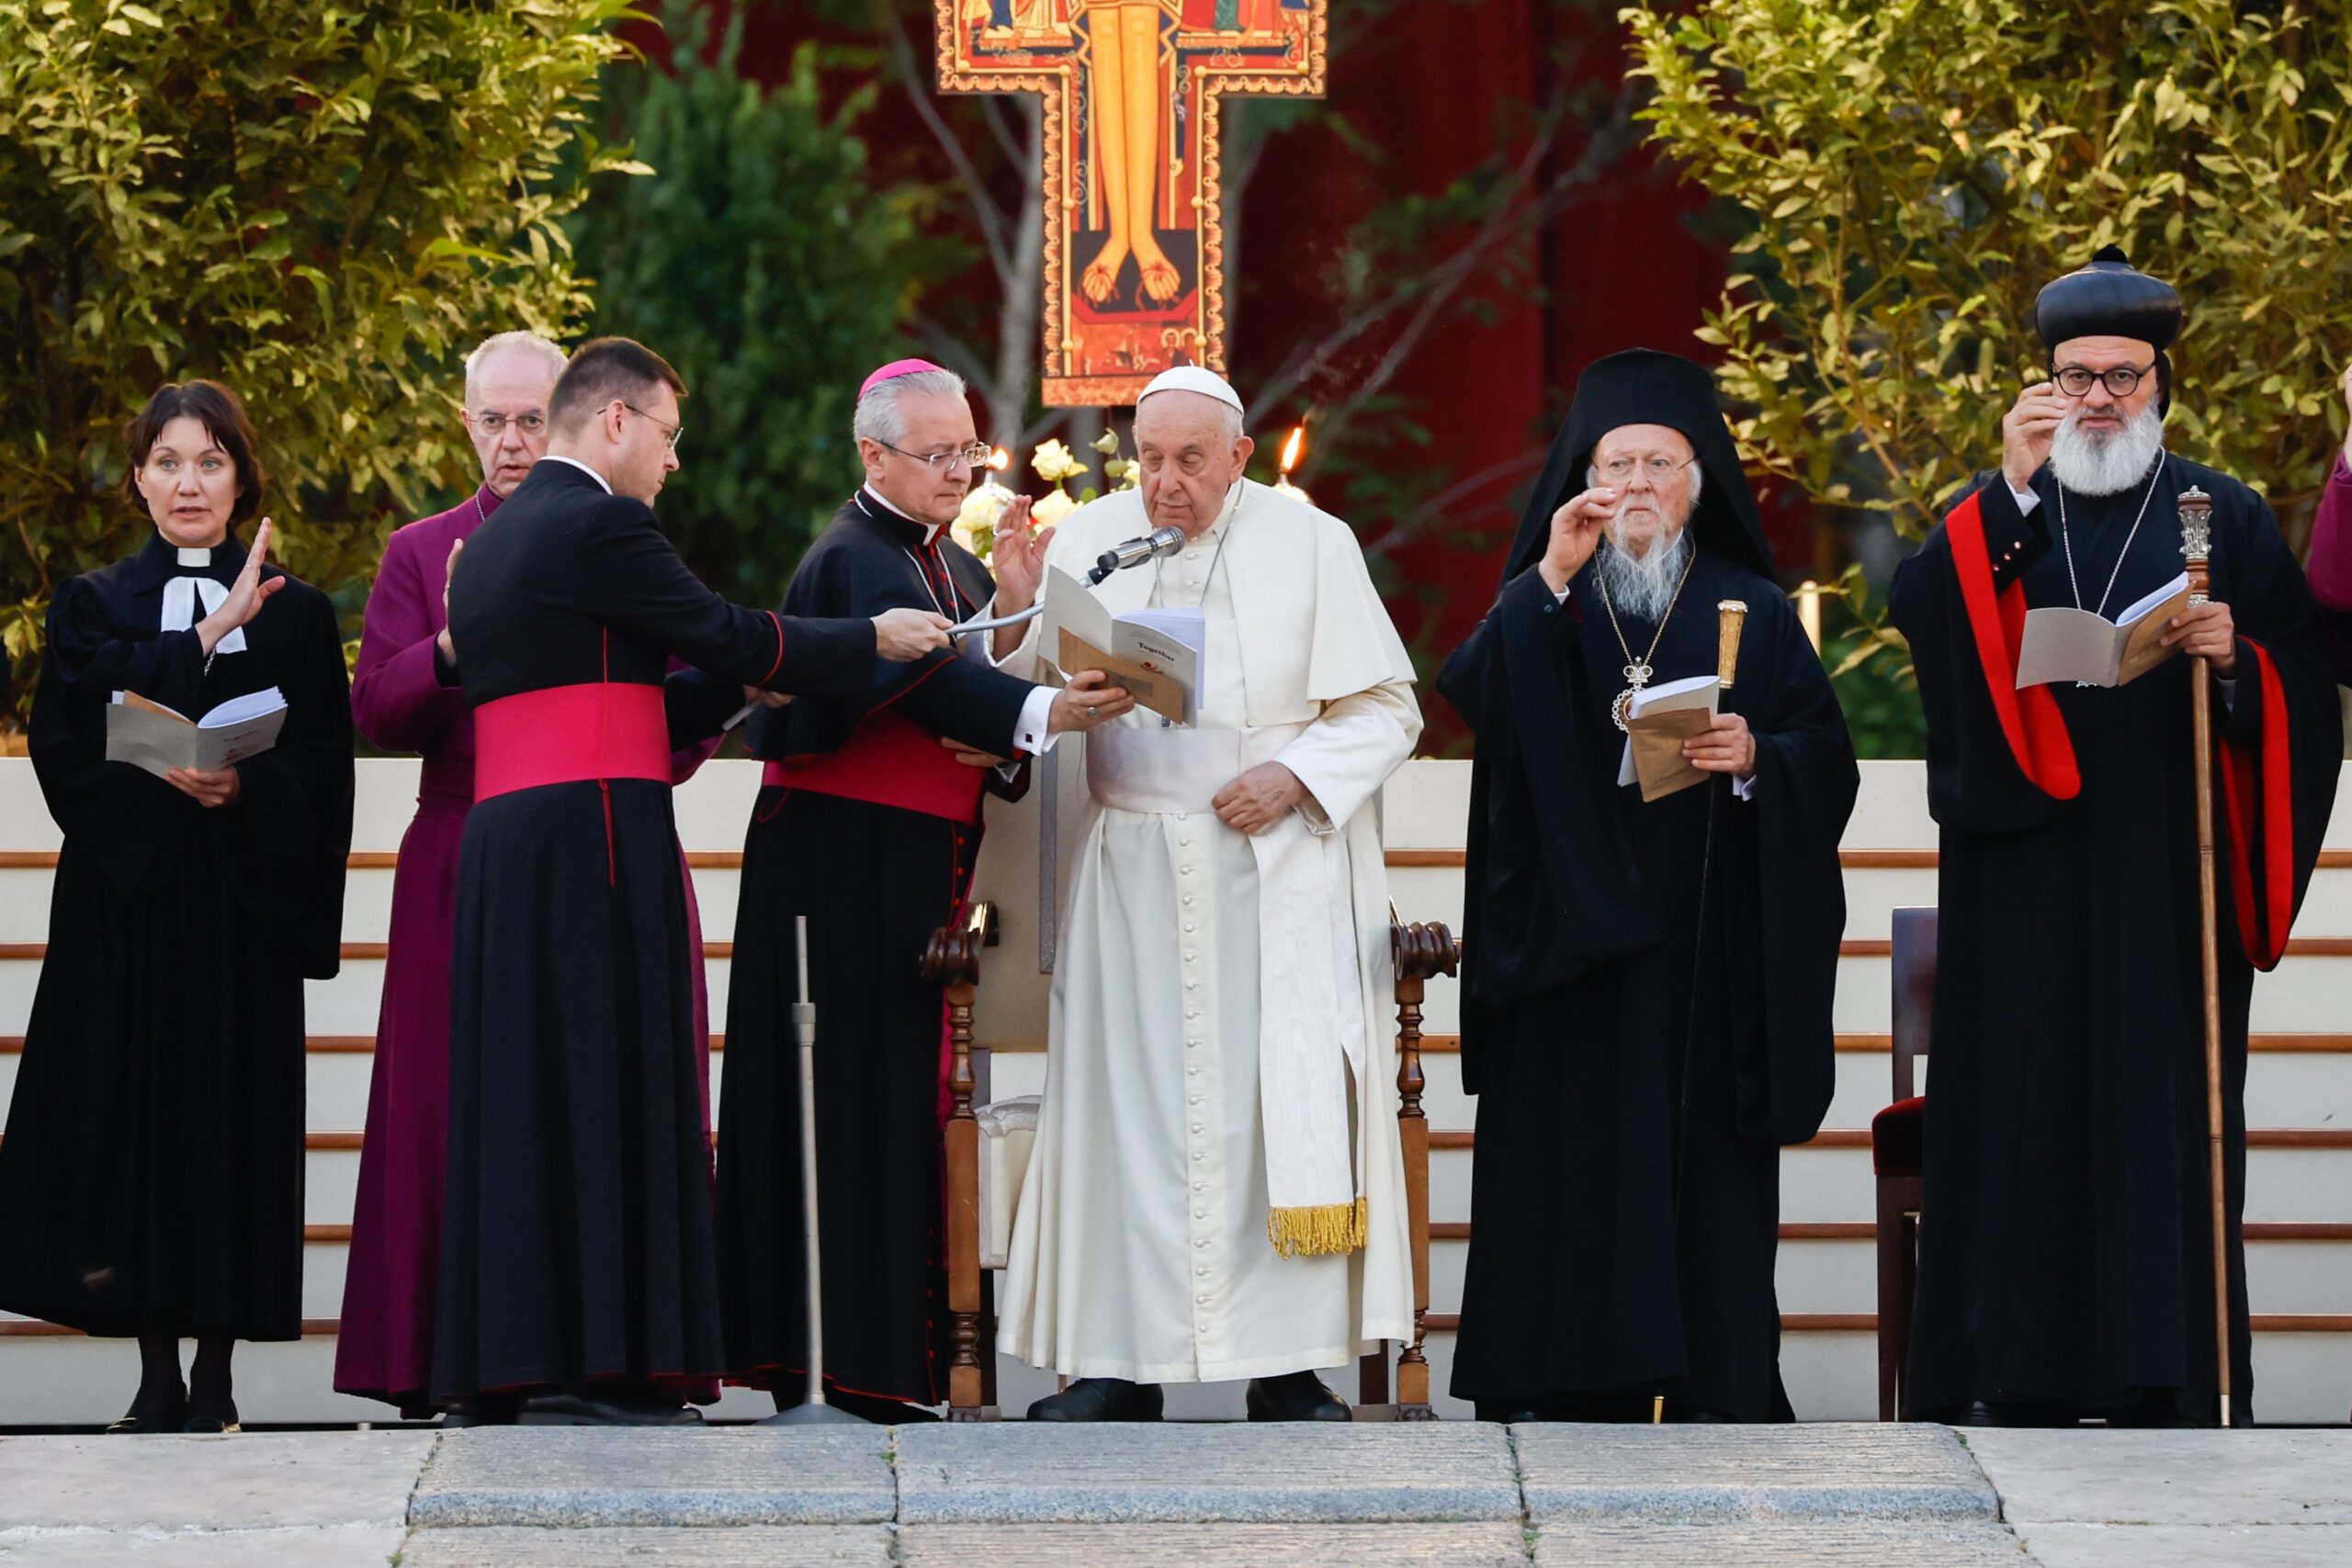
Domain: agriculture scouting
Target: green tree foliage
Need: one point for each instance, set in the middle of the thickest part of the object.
(762, 261)
(1915, 170)
(323, 206)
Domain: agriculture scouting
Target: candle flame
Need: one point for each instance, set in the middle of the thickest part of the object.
(1294, 448)
(1000, 459)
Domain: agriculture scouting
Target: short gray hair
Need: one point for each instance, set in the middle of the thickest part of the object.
(531, 342)
(879, 416)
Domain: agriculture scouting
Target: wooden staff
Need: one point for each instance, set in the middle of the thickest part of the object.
(2196, 546)
(1731, 614)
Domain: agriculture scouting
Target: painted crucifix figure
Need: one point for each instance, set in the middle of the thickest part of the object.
(1134, 264)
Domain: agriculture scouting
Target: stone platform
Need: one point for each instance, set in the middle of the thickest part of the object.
(1370, 1495)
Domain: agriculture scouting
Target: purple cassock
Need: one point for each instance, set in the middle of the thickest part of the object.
(405, 698)
(2331, 562)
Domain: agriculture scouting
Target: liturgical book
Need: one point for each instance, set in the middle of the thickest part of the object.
(2061, 644)
(1663, 717)
(1155, 654)
(149, 735)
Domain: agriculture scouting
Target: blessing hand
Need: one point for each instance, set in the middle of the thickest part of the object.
(448, 649)
(1259, 798)
(1576, 534)
(1017, 558)
(1725, 747)
(2206, 631)
(246, 595)
(2347, 409)
(2026, 431)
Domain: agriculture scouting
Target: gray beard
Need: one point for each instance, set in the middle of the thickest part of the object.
(1642, 586)
(2105, 464)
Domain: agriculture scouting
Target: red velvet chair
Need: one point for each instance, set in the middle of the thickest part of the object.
(1898, 1136)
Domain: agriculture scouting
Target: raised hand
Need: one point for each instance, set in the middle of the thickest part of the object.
(901, 636)
(2347, 409)
(448, 649)
(2026, 431)
(1088, 700)
(1018, 558)
(246, 595)
(1575, 533)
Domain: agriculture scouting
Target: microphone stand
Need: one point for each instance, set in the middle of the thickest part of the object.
(812, 1411)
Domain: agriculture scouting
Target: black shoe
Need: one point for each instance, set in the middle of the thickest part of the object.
(150, 1414)
(617, 1410)
(484, 1410)
(1506, 1412)
(210, 1416)
(1294, 1396)
(1102, 1399)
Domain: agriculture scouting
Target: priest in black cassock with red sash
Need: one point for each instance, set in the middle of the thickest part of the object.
(1645, 985)
(577, 1265)
(868, 822)
(2065, 1253)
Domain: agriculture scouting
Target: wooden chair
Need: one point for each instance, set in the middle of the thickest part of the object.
(952, 960)
(1898, 1136)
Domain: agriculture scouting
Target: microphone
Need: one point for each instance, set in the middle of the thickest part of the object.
(1134, 552)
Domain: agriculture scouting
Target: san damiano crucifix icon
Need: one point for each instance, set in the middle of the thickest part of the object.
(1135, 265)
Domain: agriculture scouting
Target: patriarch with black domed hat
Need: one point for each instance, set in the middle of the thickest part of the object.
(2065, 1265)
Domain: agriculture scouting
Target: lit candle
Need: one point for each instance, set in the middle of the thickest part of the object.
(1293, 449)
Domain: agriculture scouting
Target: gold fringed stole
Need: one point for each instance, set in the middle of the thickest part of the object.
(1318, 1230)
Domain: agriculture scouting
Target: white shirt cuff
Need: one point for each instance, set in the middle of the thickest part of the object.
(1743, 789)
(2027, 501)
(1031, 734)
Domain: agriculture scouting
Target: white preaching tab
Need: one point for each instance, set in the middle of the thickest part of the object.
(2081, 646)
(149, 735)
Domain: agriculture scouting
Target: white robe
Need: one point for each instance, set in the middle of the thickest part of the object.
(1139, 1248)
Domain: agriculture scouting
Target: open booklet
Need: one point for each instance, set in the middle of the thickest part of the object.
(149, 735)
(1662, 718)
(2078, 645)
(1156, 654)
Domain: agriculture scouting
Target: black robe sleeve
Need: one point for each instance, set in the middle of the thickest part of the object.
(287, 839)
(950, 695)
(637, 585)
(1544, 897)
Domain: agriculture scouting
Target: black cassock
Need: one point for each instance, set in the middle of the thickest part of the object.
(2066, 1250)
(151, 1180)
(1579, 1034)
(866, 826)
(576, 1243)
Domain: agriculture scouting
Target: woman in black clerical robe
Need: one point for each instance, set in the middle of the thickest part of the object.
(1640, 1052)
(151, 1180)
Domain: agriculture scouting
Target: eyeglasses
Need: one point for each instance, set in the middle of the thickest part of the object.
(2075, 379)
(676, 430)
(941, 462)
(496, 424)
(1617, 470)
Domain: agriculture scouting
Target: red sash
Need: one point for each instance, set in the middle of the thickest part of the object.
(569, 734)
(889, 761)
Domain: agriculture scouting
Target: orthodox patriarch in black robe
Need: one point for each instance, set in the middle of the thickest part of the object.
(867, 826)
(1645, 1014)
(150, 1181)
(2066, 1252)
(576, 1243)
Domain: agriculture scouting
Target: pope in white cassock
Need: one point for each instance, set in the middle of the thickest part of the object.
(1216, 1190)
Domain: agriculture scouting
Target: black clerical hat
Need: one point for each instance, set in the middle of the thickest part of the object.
(2109, 297)
(1643, 386)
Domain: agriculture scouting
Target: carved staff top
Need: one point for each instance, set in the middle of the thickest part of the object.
(2197, 539)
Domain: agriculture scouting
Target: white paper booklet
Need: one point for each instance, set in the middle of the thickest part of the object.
(1155, 654)
(151, 735)
(2061, 644)
(1692, 693)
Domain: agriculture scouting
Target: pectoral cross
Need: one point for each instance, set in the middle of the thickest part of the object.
(1134, 263)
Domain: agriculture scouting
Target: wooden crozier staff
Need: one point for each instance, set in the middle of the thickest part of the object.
(1731, 615)
(2197, 547)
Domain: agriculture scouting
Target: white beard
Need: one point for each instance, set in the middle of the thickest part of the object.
(1642, 586)
(2105, 464)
